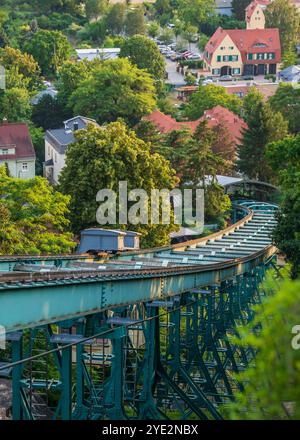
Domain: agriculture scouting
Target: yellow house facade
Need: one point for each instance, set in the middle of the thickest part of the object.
(225, 59)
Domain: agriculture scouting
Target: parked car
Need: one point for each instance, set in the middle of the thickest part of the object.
(207, 81)
(194, 56)
(247, 77)
(170, 54)
(226, 78)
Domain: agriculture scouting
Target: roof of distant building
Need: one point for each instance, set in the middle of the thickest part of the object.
(62, 137)
(101, 53)
(16, 136)
(291, 73)
(166, 124)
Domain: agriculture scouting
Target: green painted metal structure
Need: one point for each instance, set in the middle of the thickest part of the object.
(147, 335)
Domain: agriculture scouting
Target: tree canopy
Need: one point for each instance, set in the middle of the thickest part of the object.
(287, 101)
(50, 49)
(282, 14)
(284, 159)
(272, 383)
(32, 217)
(115, 89)
(145, 54)
(264, 126)
(101, 158)
(208, 97)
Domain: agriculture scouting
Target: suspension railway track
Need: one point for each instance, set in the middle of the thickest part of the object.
(206, 287)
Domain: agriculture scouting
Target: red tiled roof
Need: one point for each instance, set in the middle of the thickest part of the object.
(214, 116)
(16, 135)
(219, 114)
(246, 41)
(166, 124)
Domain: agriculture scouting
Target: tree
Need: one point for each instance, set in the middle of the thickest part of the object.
(264, 126)
(116, 89)
(282, 14)
(289, 57)
(115, 18)
(208, 97)
(50, 49)
(196, 12)
(135, 22)
(32, 217)
(238, 8)
(101, 158)
(284, 159)
(70, 75)
(15, 105)
(95, 8)
(287, 101)
(21, 64)
(193, 158)
(224, 146)
(153, 29)
(189, 33)
(48, 113)
(145, 54)
(166, 36)
(272, 382)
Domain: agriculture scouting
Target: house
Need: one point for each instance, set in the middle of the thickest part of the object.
(291, 74)
(101, 54)
(255, 17)
(57, 142)
(16, 150)
(165, 123)
(224, 7)
(243, 52)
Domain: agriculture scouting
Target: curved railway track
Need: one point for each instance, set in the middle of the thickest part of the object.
(167, 314)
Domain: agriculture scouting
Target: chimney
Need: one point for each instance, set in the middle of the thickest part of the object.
(75, 126)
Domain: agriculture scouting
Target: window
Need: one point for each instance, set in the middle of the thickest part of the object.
(236, 71)
(216, 71)
(250, 56)
(219, 58)
(55, 156)
(235, 57)
(225, 58)
(24, 167)
(4, 151)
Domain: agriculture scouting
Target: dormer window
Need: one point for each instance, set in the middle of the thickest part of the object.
(260, 45)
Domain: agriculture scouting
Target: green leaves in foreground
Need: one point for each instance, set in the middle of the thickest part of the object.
(272, 386)
(32, 217)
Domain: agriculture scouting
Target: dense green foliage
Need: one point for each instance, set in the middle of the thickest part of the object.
(145, 54)
(208, 97)
(272, 384)
(115, 89)
(264, 126)
(284, 159)
(238, 7)
(101, 159)
(287, 101)
(50, 49)
(32, 217)
(282, 14)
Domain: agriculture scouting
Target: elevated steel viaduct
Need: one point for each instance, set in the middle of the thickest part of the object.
(146, 335)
